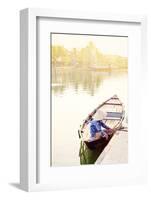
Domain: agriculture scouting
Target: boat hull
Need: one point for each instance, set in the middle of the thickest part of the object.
(115, 116)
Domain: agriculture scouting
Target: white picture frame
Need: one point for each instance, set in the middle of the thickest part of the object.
(29, 113)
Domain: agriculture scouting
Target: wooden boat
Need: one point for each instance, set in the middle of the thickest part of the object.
(115, 113)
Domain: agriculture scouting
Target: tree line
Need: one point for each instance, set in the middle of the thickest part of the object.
(86, 57)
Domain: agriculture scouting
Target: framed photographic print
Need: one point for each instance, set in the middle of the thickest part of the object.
(82, 80)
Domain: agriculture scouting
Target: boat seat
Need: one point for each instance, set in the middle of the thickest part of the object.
(114, 114)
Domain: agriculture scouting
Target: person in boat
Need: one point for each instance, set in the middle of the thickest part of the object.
(98, 128)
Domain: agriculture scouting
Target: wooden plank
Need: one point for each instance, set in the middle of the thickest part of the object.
(113, 118)
(116, 104)
(115, 98)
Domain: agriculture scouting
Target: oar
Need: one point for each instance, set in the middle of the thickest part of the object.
(123, 129)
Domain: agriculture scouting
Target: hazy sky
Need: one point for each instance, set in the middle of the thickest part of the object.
(106, 44)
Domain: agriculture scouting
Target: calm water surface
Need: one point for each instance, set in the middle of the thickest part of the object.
(75, 93)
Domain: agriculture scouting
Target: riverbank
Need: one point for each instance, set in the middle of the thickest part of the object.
(100, 68)
(116, 152)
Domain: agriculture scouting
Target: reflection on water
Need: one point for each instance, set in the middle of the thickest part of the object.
(79, 79)
(75, 93)
(90, 155)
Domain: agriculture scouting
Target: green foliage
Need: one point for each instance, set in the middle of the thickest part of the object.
(87, 57)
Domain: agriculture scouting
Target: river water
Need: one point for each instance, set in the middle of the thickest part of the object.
(75, 93)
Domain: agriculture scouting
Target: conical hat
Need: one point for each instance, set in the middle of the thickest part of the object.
(99, 115)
